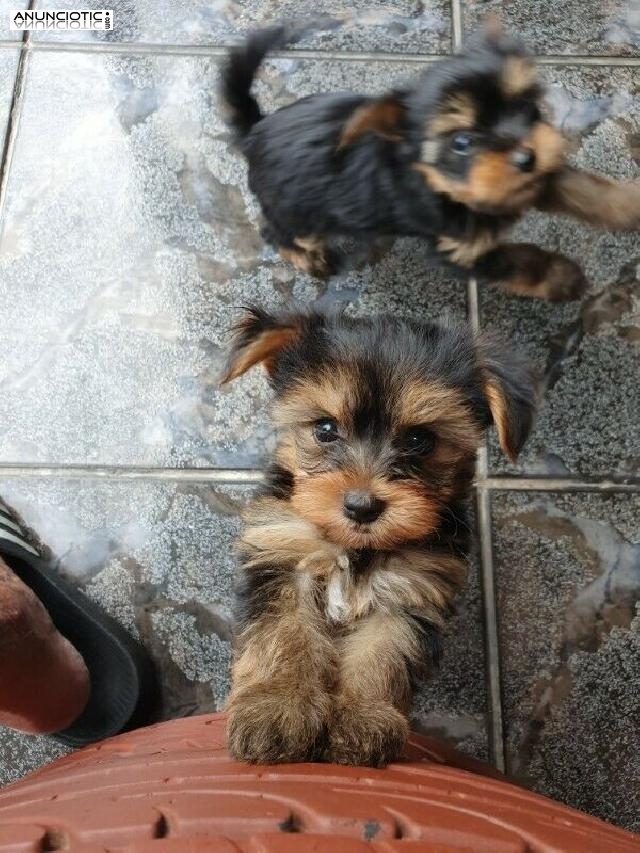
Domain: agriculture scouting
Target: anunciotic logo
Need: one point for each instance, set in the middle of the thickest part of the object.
(67, 19)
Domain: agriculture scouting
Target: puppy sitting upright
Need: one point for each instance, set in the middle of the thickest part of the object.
(457, 157)
(357, 545)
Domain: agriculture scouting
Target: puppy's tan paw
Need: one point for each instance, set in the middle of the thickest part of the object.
(310, 255)
(270, 726)
(367, 734)
(564, 280)
(538, 274)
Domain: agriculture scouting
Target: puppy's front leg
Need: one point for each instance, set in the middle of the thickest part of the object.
(370, 725)
(520, 268)
(310, 255)
(282, 679)
(594, 199)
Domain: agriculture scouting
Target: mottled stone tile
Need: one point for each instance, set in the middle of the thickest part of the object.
(568, 584)
(588, 353)
(453, 705)
(157, 555)
(592, 27)
(20, 754)
(402, 26)
(130, 240)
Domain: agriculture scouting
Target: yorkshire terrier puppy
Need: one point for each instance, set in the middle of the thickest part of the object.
(455, 157)
(354, 550)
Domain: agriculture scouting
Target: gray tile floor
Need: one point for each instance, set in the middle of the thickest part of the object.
(128, 239)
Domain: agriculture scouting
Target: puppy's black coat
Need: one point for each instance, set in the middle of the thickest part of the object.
(302, 176)
(455, 157)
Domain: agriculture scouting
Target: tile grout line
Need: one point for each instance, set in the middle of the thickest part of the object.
(456, 24)
(489, 605)
(13, 122)
(583, 60)
(219, 51)
(255, 475)
(473, 315)
(493, 667)
(559, 484)
(116, 473)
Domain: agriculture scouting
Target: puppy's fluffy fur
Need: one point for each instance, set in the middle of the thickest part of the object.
(456, 157)
(354, 550)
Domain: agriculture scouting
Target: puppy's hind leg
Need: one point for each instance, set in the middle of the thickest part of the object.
(527, 270)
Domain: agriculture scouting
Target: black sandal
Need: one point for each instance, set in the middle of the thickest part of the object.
(124, 693)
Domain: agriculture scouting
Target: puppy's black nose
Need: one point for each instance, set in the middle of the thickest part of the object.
(523, 159)
(361, 506)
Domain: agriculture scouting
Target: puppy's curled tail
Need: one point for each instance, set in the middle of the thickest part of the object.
(239, 71)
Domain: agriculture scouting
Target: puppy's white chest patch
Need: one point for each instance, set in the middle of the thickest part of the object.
(337, 606)
(350, 595)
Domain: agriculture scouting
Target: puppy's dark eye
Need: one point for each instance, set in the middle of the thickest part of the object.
(326, 430)
(462, 143)
(419, 441)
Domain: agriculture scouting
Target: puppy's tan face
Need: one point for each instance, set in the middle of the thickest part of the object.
(380, 418)
(486, 145)
(372, 472)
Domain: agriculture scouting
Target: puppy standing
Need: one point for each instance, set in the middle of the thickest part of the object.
(457, 157)
(355, 549)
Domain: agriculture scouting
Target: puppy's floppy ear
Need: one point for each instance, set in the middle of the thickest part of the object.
(259, 337)
(511, 393)
(382, 116)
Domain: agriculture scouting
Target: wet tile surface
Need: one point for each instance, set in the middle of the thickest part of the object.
(403, 26)
(593, 27)
(8, 70)
(588, 352)
(7, 6)
(130, 239)
(568, 579)
(158, 557)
